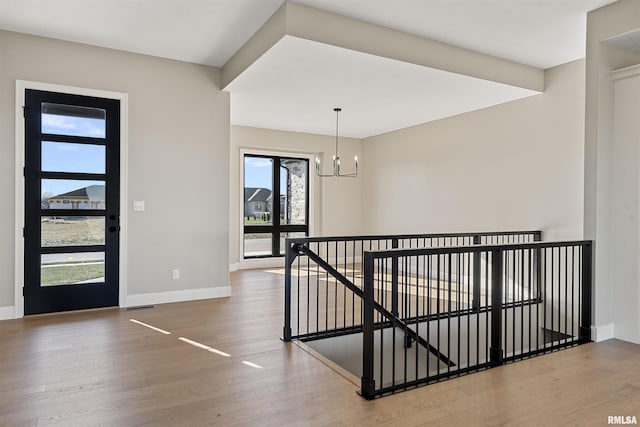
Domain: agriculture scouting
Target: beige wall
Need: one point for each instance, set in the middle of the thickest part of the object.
(518, 165)
(337, 201)
(609, 211)
(625, 193)
(178, 159)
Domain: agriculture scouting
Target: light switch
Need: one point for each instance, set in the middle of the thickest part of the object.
(138, 205)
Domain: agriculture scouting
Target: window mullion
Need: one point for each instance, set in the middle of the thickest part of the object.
(275, 202)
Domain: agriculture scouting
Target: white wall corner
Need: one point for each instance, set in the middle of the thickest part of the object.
(177, 296)
(7, 313)
(602, 332)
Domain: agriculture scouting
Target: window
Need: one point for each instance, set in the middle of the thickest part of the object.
(276, 203)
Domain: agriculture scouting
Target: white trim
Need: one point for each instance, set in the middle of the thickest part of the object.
(269, 262)
(21, 86)
(602, 333)
(178, 296)
(124, 197)
(233, 267)
(625, 73)
(7, 313)
(246, 263)
(19, 201)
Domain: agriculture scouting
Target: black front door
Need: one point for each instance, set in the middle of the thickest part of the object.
(72, 169)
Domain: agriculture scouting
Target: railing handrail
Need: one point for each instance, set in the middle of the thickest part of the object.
(400, 252)
(409, 236)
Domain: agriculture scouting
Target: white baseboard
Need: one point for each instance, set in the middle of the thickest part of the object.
(177, 296)
(601, 333)
(249, 264)
(233, 267)
(7, 313)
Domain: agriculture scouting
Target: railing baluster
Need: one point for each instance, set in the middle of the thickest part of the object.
(308, 291)
(394, 279)
(318, 292)
(566, 291)
(505, 299)
(344, 289)
(297, 294)
(468, 305)
(382, 271)
(476, 275)
(497, 275)
(289, 257)
(418, 312)
(353, 279)
(513, 300)
(368, 384)
(573, 296)
(522, 300)
(449, 274)
(530, 273)
(458, 299)
(438, 303)
(557, 332)
(554, 284)
(335, 288)
(585, 320)
(486, 304)
(429, 302)
(394, 289)
(546, 284)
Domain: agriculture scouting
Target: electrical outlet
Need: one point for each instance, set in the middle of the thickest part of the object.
(175, 274)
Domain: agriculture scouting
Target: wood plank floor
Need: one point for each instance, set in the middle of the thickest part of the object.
(100, 368)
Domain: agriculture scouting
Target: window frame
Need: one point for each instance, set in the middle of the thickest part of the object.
(275, 229)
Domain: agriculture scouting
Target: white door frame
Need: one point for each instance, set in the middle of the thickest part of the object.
(21, 86)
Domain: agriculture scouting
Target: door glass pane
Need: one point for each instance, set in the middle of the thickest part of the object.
(257, 244)
(73, 120)
(72, 194)
(72, 230)
(293, 191)
(258, 191)
(71, 268)
(68, 157)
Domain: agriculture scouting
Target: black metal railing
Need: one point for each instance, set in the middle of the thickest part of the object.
(323, 276)
(477, 306)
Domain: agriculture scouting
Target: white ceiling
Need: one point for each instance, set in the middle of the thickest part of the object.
(199, 31)
(540, 33)
(377, 94)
